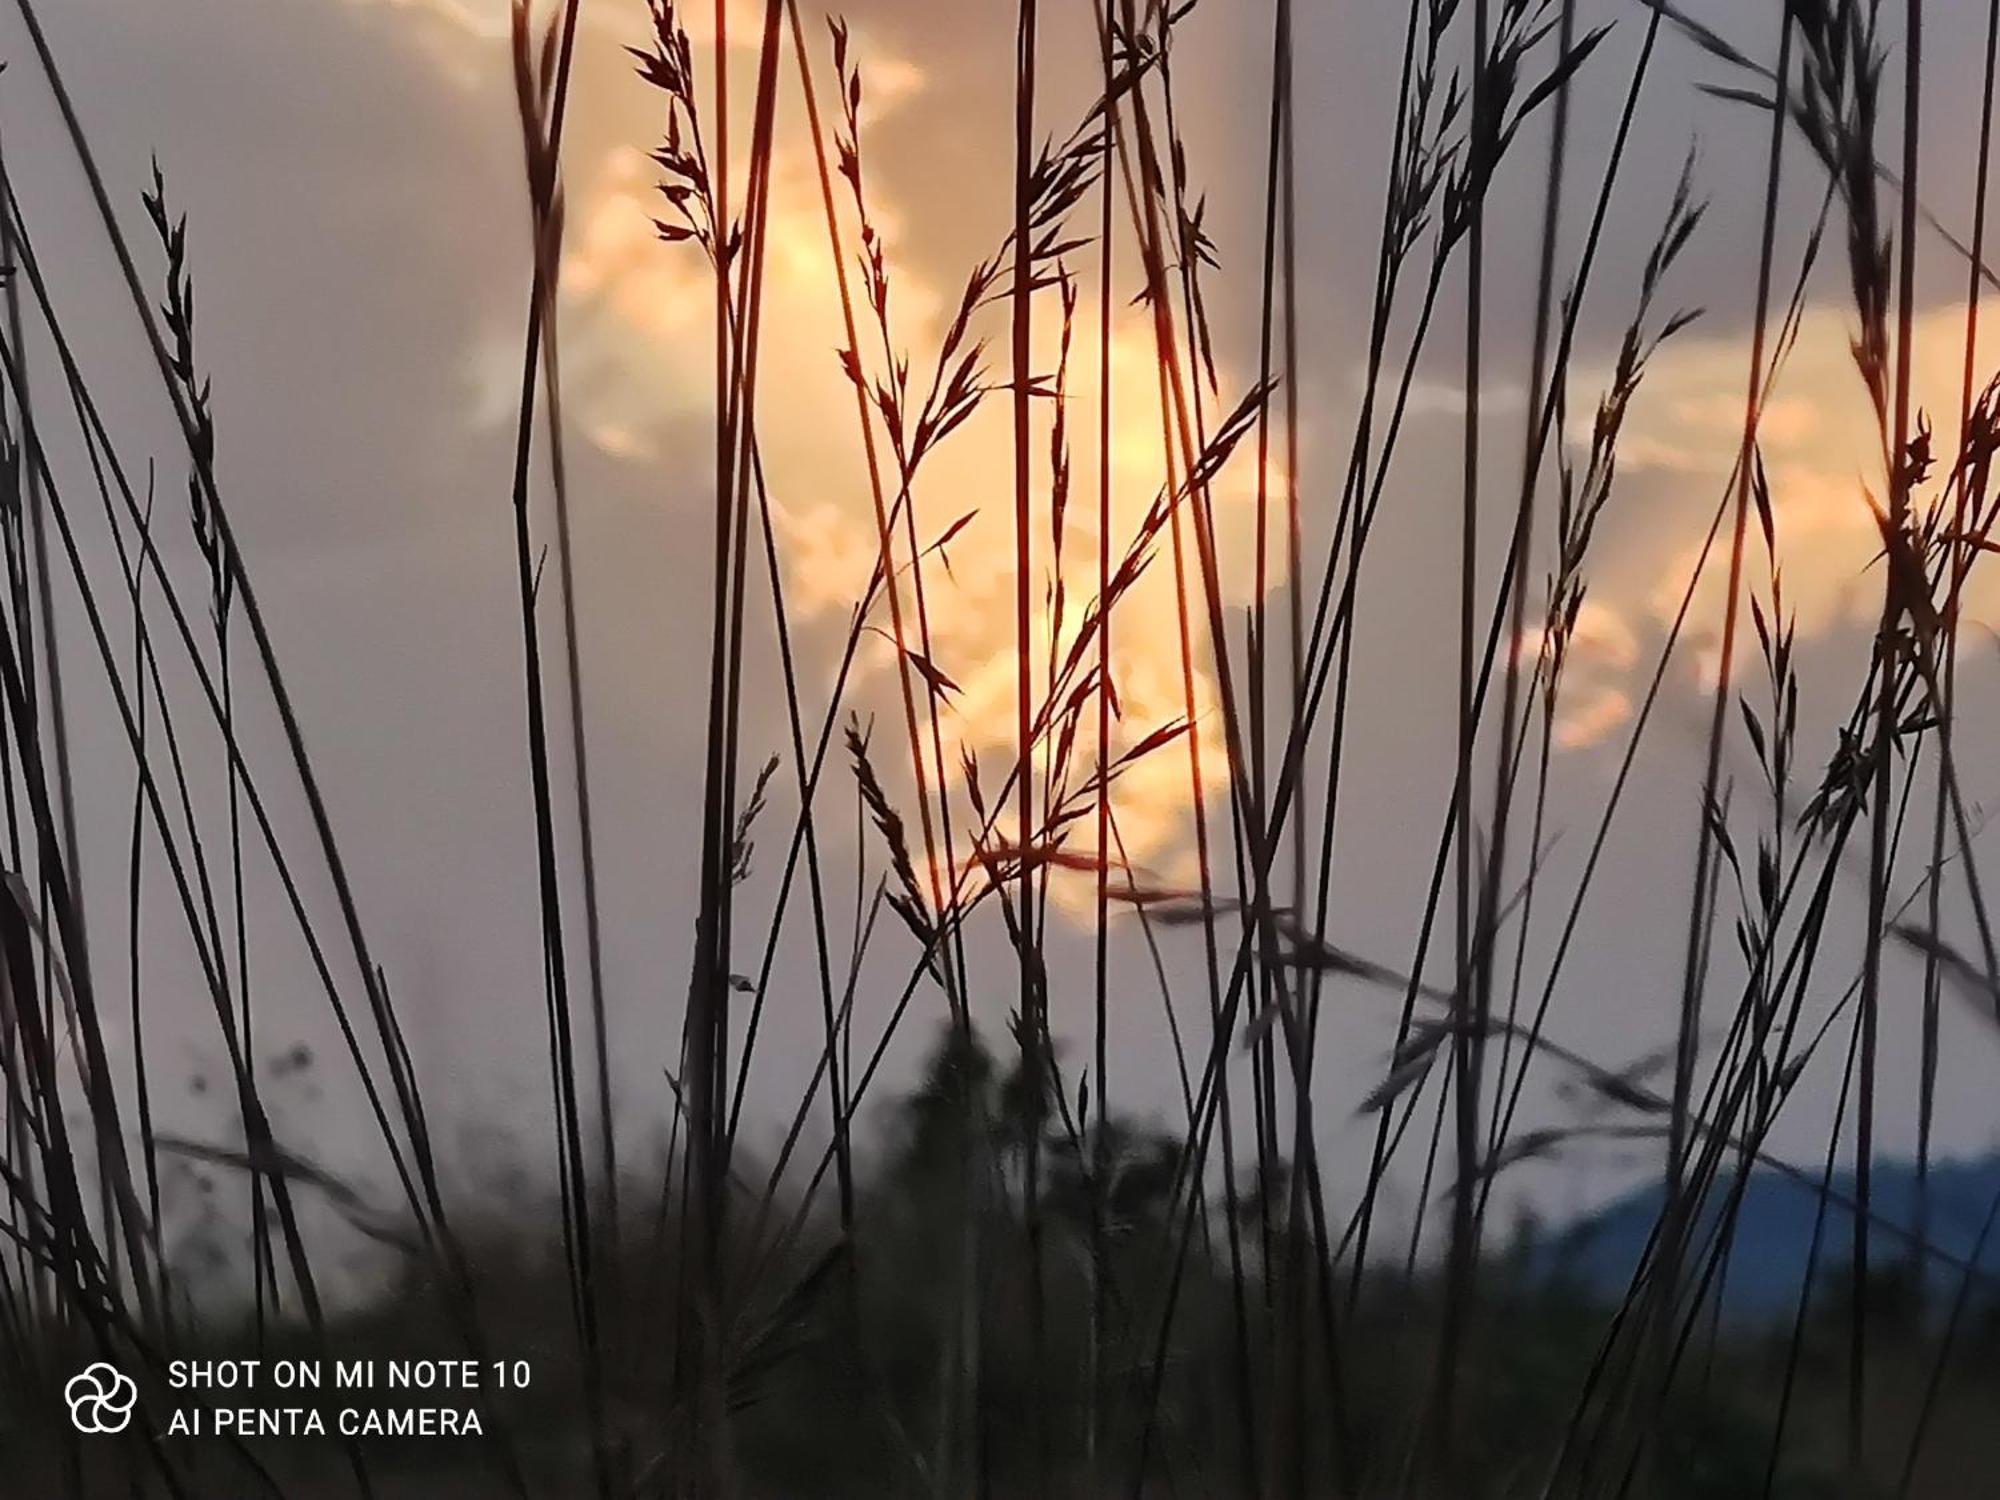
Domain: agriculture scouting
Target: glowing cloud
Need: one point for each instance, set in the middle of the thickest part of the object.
(1822, 455)
(637, 329)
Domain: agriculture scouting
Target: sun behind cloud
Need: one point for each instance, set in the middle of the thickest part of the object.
(637, 362)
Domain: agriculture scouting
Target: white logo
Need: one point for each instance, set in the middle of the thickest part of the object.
(101, 1399)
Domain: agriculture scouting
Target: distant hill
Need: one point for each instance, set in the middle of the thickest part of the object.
(1774, 1232)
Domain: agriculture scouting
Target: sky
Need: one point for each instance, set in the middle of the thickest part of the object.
(350, 170)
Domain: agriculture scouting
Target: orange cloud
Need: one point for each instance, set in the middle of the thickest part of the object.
(638, 324)
(1822, 455)
(1591, 716)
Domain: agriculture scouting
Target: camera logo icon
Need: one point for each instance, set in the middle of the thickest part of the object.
(101, 1400)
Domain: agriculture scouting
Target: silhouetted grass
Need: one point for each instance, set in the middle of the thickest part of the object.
(1023, 1287)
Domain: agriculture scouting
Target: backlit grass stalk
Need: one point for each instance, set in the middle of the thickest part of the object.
(542, 85)
(1694, 964)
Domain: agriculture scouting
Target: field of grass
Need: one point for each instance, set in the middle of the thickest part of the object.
(989, 1272)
